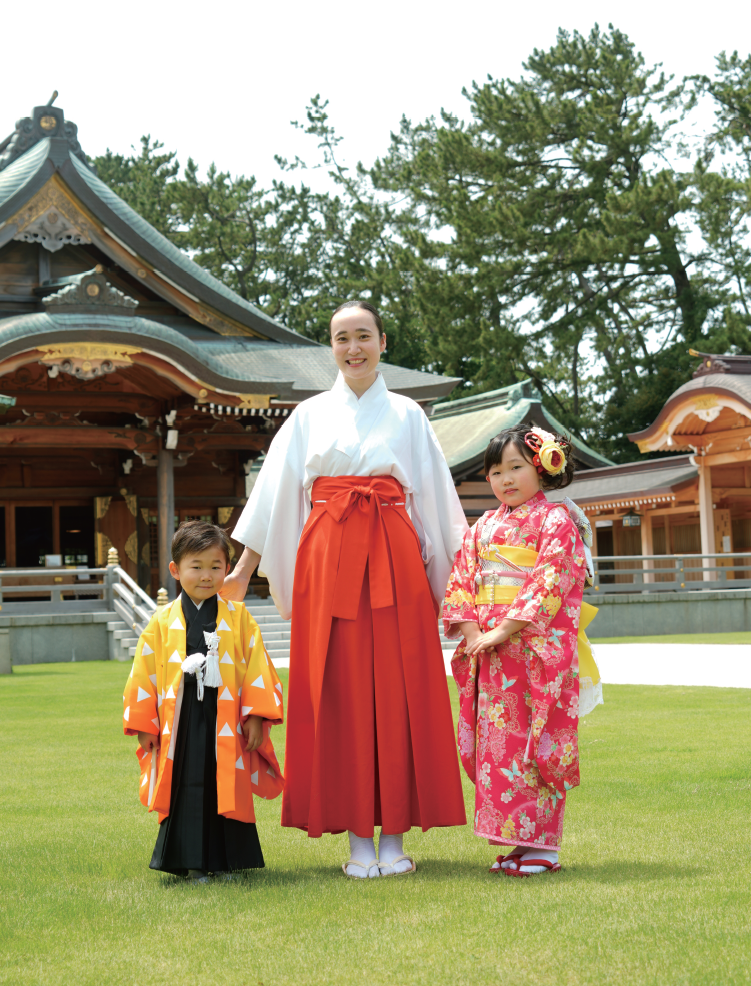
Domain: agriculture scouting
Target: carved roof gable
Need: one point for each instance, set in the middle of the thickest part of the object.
(45, 121)
(87, 293)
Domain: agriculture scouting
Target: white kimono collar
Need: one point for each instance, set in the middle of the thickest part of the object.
(376, 389)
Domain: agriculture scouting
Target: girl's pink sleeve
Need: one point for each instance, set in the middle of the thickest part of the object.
(459, 602)
(560, 564)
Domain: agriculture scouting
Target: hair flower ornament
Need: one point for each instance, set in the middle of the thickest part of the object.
(550, 455)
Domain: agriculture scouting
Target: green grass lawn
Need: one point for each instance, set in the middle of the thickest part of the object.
(732, 637)
(655, 886)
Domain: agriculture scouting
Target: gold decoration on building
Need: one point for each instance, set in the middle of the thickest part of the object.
(223, 327)
(131, 547)
(223, 514)
(88, 351)
(145, 514)
(52, 219)
(256, 401)
(705, 401)
(103, 546)
(146, 554)
(131, 499)
(101, 506)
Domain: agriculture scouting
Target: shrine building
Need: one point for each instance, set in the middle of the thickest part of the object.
(144, 388)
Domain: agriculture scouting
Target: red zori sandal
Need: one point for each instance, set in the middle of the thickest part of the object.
(550, 867)
(512, 857)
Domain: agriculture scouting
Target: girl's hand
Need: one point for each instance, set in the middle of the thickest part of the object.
(148, 741)
(487, 641)
(253, 732)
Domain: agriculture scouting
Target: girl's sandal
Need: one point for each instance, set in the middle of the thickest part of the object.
(512, 856)
(550, 867)
(390, 866)
(356, 862)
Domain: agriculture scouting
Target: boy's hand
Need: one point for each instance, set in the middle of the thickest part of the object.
(148, 741)
(253, 732)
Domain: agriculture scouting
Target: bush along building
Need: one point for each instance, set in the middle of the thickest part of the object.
(144, 388)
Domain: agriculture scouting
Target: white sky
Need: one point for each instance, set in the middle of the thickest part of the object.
(222, 81)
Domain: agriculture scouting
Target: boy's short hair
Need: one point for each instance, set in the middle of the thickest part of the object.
(515, 436)
(194, 536)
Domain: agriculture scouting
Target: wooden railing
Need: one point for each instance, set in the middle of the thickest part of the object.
(670, 573)
(52, 582)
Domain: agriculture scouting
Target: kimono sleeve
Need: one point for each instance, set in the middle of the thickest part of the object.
(559, 566)
(436, 511)
(140, 704)
(459, 602)
(273, 518)
(261, 693)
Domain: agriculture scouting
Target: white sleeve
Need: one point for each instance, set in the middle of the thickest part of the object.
(436, 511)
(274, 516)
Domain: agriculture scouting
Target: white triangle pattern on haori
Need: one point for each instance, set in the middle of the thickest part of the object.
(246, 709)
(254, 778)
(226, 659)
(145, 778)
(258, 683)
(226, 694)
(270, 771)
(152, 679)
(146, 649)
(170, 693)
(126, 714)
(278, 685)
(252, 642)
(225, 730)
(165, 731)
(230, 605)
(175, 659)
(156, 722)
(240, 728)
(276, 699)
(223, 626)
(239, 763)
(142, 694)
(177, 625)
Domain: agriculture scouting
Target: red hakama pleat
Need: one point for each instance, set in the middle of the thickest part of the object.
(369, 730)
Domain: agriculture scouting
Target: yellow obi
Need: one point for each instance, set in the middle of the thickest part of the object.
(489, 595)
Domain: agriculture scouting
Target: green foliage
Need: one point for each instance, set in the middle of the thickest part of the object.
(564, 232)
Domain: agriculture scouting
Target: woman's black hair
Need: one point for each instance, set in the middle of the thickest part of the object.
(515, 436)
(367, 307)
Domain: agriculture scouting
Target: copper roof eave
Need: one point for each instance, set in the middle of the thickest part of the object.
(675, 401)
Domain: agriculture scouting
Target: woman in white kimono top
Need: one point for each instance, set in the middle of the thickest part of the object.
(355, 521)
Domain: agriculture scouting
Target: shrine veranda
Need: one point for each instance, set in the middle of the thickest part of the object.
(654, 888)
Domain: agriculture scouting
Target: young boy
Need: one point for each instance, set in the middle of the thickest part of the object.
(204, 747)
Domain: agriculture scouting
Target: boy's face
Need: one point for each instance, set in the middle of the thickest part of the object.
(201, 575)
(514, 480)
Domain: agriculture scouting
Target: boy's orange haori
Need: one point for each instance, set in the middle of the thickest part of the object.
(250, 686)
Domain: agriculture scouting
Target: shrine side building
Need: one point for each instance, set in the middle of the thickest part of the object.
(144, 388)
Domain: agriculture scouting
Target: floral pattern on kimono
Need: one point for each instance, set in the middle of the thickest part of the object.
(518, 721)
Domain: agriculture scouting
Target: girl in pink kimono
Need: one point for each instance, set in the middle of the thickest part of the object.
(515, 595)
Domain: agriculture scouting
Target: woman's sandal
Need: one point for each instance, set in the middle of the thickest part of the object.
(505, 859)
(390, 866)
(550, 867)
(356, 862)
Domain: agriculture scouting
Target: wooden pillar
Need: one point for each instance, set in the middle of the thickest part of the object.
(165, 493)
(647, 545)
(706, 515)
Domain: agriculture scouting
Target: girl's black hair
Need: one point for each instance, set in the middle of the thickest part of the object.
(367, 307)
(515, 436)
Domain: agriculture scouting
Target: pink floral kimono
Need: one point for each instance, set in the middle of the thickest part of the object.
(519, 705)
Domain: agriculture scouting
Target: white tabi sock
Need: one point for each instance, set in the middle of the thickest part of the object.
(363, 850)
(390, 847)
(511, 863)
(550, 856)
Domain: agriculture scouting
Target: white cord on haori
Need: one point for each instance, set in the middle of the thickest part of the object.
(205, 667)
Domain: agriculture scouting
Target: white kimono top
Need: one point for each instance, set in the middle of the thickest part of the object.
(335, 434)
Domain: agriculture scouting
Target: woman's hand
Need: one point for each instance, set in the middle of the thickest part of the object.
(235, 586)
(148, 741)
(253, 732)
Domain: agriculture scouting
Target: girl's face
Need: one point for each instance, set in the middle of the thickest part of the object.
(357, 347)
(514, 480)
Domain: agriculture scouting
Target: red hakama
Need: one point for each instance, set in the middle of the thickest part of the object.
(369, 736)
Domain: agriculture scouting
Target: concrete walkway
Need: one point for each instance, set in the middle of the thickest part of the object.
(722, 665)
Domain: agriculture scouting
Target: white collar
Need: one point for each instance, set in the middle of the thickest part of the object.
(375, 390)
